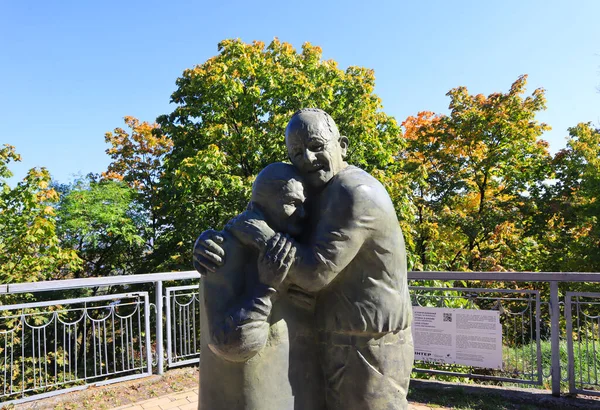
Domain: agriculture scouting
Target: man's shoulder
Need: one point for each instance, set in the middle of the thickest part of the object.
(353, 173)
(356, 184)
(236, 254)
(230, 241)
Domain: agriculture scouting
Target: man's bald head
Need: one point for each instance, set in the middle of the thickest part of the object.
(315, 146)
(312, 118)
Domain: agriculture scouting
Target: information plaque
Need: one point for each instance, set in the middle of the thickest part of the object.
(458, 336)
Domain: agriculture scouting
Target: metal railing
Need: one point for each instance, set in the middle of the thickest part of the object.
(582, 312)
(558, 367)
(54, 345)
(82, 340)
(183, 325)
(59, 345)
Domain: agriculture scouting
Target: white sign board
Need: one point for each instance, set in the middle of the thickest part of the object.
(458, 336)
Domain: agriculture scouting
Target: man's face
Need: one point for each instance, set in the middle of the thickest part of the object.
(285, 213)
(314, 150)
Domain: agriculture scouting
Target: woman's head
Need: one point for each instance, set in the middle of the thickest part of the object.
(278, 192)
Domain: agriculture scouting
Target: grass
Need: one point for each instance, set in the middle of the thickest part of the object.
(521, 362)
(586, 362)
(456, 398)
(472, 397)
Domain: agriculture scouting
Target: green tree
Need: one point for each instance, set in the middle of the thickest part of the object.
(101, 221)
(569, 221)
(473, 172)
(229, 122)
(30, 249)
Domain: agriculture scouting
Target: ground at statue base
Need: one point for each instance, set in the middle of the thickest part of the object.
(178, 389)
(188, 400)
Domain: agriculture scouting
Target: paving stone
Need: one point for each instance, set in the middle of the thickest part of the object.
(188, 400)
(174, 404)
(155, 402)
(190, 406)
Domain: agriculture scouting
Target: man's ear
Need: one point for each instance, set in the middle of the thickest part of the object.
(343, 145)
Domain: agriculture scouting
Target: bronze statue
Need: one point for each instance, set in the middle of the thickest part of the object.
(351, 257)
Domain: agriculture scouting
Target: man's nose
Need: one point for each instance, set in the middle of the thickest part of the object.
(309, 156)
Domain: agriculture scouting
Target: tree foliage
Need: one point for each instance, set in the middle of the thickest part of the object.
(229, 123)
(472, 173)
(30, 249)
(101, 221)
(570, 208)
(137, 159)
(474, 189)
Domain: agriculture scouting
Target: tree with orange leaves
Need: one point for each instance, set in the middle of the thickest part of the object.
(137, 160)
(473, 172)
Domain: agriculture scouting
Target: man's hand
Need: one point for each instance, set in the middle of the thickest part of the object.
(208, 254)
(250, 228)
(275, 261)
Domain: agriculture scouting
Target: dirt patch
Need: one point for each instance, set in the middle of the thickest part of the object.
(119, 394)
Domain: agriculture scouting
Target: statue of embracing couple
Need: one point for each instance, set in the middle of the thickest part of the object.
(305, 295)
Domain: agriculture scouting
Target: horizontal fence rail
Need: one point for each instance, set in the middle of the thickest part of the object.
(550, 332)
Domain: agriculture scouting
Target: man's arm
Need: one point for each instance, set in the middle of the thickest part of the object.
(249, 228)
(336, 240)
(245, 328)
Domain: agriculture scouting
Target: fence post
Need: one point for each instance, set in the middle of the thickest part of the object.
(159, 328)
(570, 355)
(555, 338)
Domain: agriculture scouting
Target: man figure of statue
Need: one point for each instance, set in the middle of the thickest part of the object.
(353, 256)
(250, 327)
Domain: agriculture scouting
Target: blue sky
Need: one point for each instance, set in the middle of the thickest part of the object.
(70, 70)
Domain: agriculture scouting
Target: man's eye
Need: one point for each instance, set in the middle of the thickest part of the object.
(316, 148)
(297, 154)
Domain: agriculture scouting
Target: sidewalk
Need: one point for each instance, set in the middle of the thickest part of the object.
(188, 400)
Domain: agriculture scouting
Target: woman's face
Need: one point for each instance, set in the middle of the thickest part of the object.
(286, 213)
